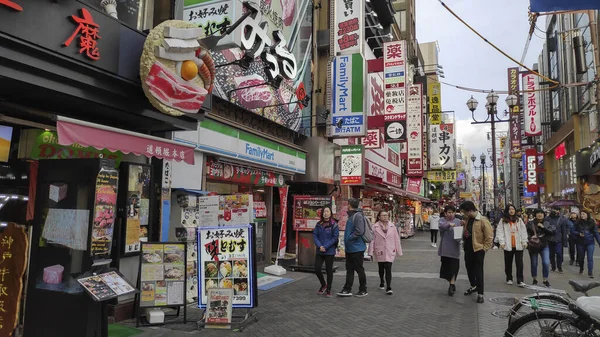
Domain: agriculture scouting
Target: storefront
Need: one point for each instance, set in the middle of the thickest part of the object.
(588, 173)
(82, 157)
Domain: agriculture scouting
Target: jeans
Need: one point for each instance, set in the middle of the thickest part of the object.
(474, 265)
(556, 254)
(434, 235)
(581, 251)
(328, 259)
(385, 268)
(354, 262)
(573, 250)
(545, 254)
(508, 262)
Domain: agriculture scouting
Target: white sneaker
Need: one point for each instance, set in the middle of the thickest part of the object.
(522, 284)
(435, 245)
(509, 282)
(432, 244)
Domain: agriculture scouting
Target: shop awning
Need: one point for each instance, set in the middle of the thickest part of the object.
(105, 137)
(378, 188)
(407, 194)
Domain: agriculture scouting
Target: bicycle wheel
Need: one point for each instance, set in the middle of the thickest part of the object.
(519, 309)
(546, 324)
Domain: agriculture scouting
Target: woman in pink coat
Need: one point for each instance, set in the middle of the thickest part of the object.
(384, 248)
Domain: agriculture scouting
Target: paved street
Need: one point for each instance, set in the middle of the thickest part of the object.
(419, 306)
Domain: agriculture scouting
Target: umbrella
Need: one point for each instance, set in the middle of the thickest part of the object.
(564, 203)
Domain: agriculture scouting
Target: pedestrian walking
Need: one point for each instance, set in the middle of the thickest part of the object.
(559, 240)
(586, 231)
(573, 217)
(384, 248)
(434, 226)
(512, 237)
(355, 250)
(449, 250)
(478, 238)
(525, 218)
(325, 235)
(538, 233)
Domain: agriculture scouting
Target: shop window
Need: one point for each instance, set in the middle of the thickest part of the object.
(134, 13)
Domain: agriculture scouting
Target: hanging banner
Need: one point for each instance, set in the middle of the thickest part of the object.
(414, 185)
(414, 131)
(225, 260)
(105, 209)
(539, 6)
(307, 210)
(442, 147)
(352, 159)
(435, 102)
(348, 27)
(533, 121)
(531, 167)
(283, 198)
(441, 176)
(347, 102)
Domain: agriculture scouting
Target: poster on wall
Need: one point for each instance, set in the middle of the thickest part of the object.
(352, 161)
(137, 207)
(105, 210)
(307, 210)
(284, 31)
(226, 261)
(162, 274)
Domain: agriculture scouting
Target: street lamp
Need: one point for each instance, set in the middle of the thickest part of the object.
(482, 183)
(491, 118)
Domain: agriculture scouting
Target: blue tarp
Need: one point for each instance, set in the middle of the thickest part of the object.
(538, 6)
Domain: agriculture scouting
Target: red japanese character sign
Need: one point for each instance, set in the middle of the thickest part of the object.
(372, 140)
(11, 4)
(88, 30)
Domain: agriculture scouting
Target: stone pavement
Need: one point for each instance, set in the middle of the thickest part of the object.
(418, 308)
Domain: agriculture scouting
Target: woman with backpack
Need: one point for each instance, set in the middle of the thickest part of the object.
(384, 248)
(585, 232)
(325, 235)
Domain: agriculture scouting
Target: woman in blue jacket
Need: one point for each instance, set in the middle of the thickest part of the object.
(325, 235)
(586, 232)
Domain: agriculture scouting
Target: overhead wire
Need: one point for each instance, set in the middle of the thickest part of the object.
(534, 16)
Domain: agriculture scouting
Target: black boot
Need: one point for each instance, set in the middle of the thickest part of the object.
(451, 290)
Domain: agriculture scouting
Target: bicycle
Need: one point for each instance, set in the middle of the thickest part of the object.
(578, 318)
(548, 298)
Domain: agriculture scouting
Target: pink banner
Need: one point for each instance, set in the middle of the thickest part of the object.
(283, 197)
(414, 185)
(103, 137)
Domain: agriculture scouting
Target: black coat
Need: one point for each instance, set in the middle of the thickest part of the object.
(544, 233)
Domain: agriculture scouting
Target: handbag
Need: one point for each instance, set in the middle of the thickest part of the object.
(458, 232)
(534, 242)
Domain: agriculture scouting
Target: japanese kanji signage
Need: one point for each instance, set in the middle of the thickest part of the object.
(14, 248)
(348, 27)
(225, 260)
(395, 127)
(513, 87)
(375, 102)
(372, 140)
(347, 103)
(533, 121)
(414, 131)
(394, 64)
(435, 102)
(352, 165)
(442, 146)
(242, 175)
(87, 34)
(11, 4)
(212, 16)
(441, 176)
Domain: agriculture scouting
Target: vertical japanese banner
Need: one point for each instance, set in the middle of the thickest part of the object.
(348, 26)
(283, 197)
(533, 121)
(442, 147)
(515, 124)
(347, 102)
(165, 196)
(435, 102)
(414, 130)
(394, 77)
(513, 88)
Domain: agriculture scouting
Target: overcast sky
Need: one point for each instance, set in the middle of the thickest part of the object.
(469, 61)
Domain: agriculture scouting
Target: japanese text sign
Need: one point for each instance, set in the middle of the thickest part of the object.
(352, 165)
(435, 102)
(441, 176)
(212, 16)
(13, 247)
(372, 140)
(88, 32)
(348, 113)
(442, 150)
(307, 210)
(395, 127)
(513, 87)
(225, 260)
(375, 102)
(414, 131)
(242, 175)
(348, 29)
(532, 115)
(394, 64)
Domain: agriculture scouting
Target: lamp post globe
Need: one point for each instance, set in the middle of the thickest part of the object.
(482, 157)
(472, 104)
(492, 98)
(511, 101)
(473, 158)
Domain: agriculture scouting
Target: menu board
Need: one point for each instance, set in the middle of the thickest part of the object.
(219, 310)
(162, 274)
(105, 209)
(225, 261)
(307, 210)
(105, 286)
(138, 207)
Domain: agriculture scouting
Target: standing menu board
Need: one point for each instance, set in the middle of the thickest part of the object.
(162, 274)
(307, 210)
(105, 286)
(226, 260)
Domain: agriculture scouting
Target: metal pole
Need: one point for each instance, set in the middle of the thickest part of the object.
(494, 163)
(483, 201)
(537, 173)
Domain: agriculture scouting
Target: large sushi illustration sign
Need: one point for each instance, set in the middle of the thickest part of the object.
(265, 63)
(226, 261)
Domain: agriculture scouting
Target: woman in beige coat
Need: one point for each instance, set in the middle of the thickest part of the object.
(511, 234)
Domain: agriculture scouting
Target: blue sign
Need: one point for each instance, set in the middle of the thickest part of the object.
(538, 6)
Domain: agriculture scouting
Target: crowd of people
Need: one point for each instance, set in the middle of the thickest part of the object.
(544, 236)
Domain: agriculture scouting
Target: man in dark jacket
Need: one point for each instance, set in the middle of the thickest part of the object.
(355, 248)
(560, 239)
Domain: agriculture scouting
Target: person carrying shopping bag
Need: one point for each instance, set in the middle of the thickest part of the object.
(449, 249)
(325, 235)
(512, 237)
(538, 232)
(384, 248)
(585, 231)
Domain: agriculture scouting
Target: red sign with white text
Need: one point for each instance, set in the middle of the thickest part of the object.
(531, 169)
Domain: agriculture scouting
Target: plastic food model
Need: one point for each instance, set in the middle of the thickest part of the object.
(177, 73)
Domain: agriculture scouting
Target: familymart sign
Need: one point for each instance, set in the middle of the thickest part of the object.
(348, 100)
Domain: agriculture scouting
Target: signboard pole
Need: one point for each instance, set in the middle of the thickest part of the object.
(276, 269)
